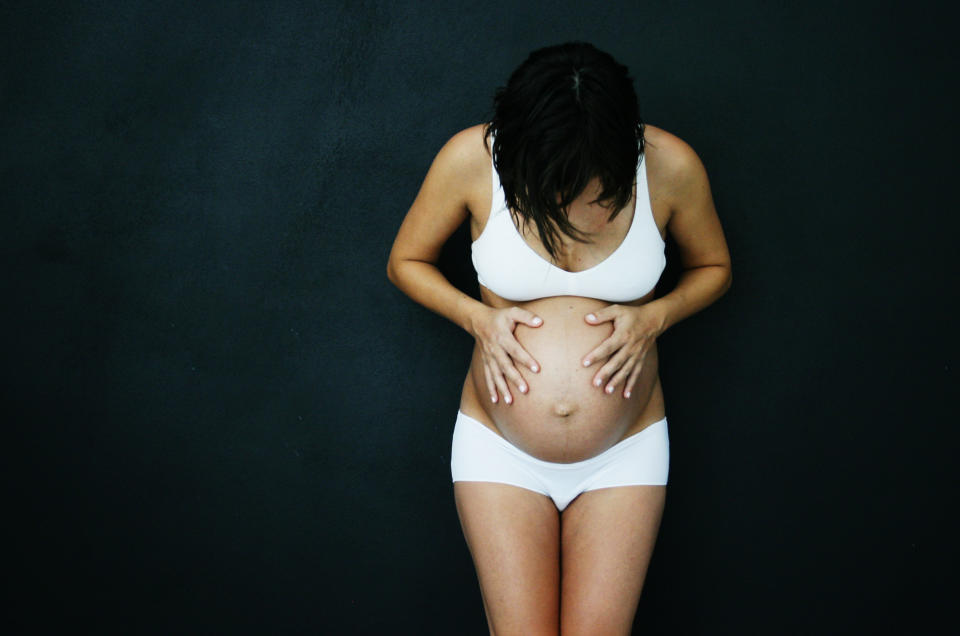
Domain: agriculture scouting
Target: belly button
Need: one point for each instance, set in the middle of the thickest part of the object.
(563, 409)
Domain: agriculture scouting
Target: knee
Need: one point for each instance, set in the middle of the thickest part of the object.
(595, 623)
(524, 627)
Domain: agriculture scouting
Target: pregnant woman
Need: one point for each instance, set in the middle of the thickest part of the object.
(560, 449)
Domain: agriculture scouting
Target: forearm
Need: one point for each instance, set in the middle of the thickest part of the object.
(424, 283)
(697, 289)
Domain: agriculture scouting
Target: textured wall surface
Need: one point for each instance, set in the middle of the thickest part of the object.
(222, 418)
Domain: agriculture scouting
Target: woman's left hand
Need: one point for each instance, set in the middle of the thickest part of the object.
(634, 331)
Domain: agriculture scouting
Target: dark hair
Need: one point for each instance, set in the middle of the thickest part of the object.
(567, 114)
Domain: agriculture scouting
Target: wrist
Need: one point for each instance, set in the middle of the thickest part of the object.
(661, 312)
(473, 311)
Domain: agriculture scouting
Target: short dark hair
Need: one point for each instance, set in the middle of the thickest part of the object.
(568, 113)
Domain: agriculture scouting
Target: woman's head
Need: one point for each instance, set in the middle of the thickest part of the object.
(567, 115)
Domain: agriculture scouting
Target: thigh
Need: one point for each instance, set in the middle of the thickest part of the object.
(607, 538)
(513, 535)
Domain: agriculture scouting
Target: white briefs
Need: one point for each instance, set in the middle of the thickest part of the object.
(480, 454)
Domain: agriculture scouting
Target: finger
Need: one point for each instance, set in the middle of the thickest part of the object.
(603, 350)
(632, 379)
(519, 354)
(620, 376)
(525, 316)
(609, 369)
(604, 314)
(501, 384)
(491, 387)
(511, 373)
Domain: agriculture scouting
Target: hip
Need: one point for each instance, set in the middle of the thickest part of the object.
(479, 454)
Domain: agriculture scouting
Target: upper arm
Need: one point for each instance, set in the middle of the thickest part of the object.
(441, 205)
(694, 223)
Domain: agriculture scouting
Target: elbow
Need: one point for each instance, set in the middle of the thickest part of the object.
(394, 269)
(391, 273)
(729, 281)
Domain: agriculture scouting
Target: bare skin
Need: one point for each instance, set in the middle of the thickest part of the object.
(604, 540)
(563, 378)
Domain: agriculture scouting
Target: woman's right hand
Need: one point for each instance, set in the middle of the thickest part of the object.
(499, 349)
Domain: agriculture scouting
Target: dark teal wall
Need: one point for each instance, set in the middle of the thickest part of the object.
(222, 418)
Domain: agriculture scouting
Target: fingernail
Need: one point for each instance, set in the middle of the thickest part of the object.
(610, 389)
(508, 399)
(586, 363)
(626, 394)
(591, 317)
(493, 398)
(537, 320)
(596, 382)
(534, 368)
(523, 388)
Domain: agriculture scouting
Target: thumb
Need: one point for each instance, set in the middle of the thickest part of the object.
(526, 317)
(605, 314)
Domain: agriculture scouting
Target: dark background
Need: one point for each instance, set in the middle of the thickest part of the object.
(224, 419)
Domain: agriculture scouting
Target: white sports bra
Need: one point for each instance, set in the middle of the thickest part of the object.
(511, 269)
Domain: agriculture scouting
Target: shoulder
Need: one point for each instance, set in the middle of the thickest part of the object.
(673, 165)
(465, 153)
(463, 167)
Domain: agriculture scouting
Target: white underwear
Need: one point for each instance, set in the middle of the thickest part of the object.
(480, 454)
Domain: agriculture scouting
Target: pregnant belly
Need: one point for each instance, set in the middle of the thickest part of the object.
(563, 417)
